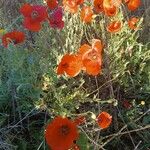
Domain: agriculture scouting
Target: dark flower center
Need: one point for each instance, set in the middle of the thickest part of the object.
(93, 55)
(64, 130)
(34, 14)
(65, 65)
(116, 25)
(100, 6)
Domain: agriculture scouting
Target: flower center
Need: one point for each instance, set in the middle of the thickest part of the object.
(34, 14)
(100, 6)
(93, 55)
(116, 25)
(64, 130)
(65, 65)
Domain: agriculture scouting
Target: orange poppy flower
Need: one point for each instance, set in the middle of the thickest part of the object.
(132, 23)
(14, 37)
(96, 46)
(98, 6)
(86, 14)
(104, 120)
(91, 57)
(80, 120)
(92, 61)
(52, 4)
(109, 8)
(70, 6)
(133, 4)
(114, 27)
(61, 133)
(70, 64)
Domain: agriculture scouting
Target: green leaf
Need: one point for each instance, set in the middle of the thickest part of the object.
(83, 142)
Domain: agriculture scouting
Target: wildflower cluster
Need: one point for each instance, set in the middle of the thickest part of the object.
(62, 133)
(88, 58)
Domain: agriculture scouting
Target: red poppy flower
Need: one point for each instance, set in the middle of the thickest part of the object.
(14, 37)
(55, 18)
(61, 133)
(98, 6)
(91, 57)
(70, 6)
(109, 8)
(52, 4)
(114, 27)
(80, 120)
(70, 64)
(132, 23)
(86, 14)
(133, 4)
(33, 16)
(104, 120)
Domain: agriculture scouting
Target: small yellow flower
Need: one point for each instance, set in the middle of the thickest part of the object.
(142, 102)
(93, 116)
(2, 31)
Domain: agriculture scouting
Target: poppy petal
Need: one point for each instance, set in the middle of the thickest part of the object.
(86, 14)
(83, 49)
(70, 64)
(97, 45)
(114, 27)
(52, 4)
(40, 13)
(98, 6)
(15, 37)
(109, 9)
(55, 19)
(26, 10)
(132, 23)
(70, 6)
(79, 2)
(92, 67)
(104, 120)
(31, 25)
(74, 69)
(133, 4)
